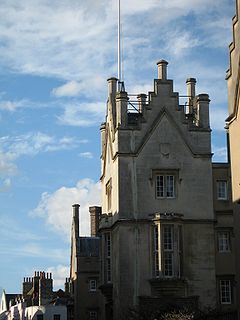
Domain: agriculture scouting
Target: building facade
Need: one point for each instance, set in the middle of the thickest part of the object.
(85, 268)
(38, 301)
(233, 125)
(166, 226)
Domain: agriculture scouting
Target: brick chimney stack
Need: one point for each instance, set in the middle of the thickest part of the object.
(95, 213)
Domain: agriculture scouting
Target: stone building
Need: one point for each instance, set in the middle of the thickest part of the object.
(38, 301)
(233, 127)
(166, 226)
(85, 268)
(168, 231)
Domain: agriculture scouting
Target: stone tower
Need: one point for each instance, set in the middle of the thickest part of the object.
(157, 222)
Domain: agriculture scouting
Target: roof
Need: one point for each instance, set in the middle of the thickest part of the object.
(88, 247)
(11, 296)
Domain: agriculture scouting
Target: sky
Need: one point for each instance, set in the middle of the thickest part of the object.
(55, 59)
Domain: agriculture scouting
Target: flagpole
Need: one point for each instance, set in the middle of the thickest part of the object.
(119, 43)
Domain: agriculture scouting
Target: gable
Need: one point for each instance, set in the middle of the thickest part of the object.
(164, 134)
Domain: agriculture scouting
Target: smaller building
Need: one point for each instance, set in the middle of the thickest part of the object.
(38, 301)
(6, 301)
(85, 268)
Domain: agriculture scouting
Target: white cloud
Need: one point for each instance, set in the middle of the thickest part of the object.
(59, 275)
(6, 185)
(34, 250)
(30, 144)
(83, 114)
(56, 208)
(88, 155)
(9, 105)
(71, 89)
(35, 39)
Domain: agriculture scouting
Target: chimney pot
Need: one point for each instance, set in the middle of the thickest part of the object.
(191, 93)
(162, 69)
(141, 102)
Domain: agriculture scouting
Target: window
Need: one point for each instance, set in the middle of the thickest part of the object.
(108, 249)
(109, 194)
(225, 292)
(92, 315)
(168, 250)
(56, 317)
(157, 266)
(223, 241)
(222, 190)
(92, 285)
(165, 186)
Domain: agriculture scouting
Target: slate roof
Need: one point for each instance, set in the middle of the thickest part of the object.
(88, 246)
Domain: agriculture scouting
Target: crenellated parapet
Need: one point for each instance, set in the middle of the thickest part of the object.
(133, 121)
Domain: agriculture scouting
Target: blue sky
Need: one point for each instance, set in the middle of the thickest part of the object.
(55, 58)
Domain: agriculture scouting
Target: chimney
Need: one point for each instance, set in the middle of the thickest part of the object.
(95, 213)
(103, 138)
(75, 221)
(162, 69)
(141, 102)
(191, 93)
(112, 88)
(203, 110)
(122, 107)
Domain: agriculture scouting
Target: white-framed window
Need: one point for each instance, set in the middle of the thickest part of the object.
(222, 192)
(168, 250)
(92, 285)
(223, 241)
(165, 186)
(93, 315)
(225, 292)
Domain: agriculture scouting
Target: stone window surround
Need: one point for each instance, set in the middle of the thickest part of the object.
(159, 253)
(222, 189)
(165, 172)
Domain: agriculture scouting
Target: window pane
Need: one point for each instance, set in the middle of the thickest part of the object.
(222, 189)
(92, 315)
(168, 250)
(160, 186)
(108, 257)
(168, 238)
(225, 291)
(156, 252)
(169, 186)
(223, 241)
(168, 264)
(92, 285)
